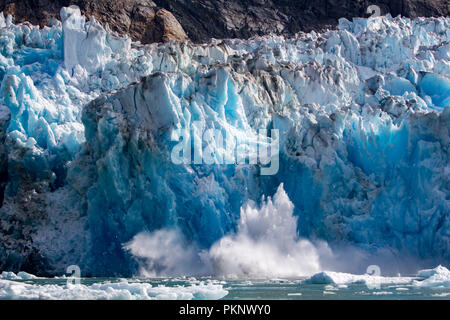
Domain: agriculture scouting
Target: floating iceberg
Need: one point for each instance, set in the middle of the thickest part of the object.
(90, 121)
(437, 277)
(340, 278)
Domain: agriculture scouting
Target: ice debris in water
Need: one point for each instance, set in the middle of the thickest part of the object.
(8, 275)
(437, 277)
(123, 290)
(266, 243)
(340, 278)
(362, 113)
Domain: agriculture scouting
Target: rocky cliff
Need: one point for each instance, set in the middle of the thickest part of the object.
(204, 19)
(142, 20)
(152, 21)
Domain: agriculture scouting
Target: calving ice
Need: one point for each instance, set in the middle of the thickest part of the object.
(100, 137)
(227, 309)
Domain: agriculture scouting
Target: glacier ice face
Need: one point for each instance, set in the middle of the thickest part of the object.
(44, 131)
(49, 74)
(362, 113)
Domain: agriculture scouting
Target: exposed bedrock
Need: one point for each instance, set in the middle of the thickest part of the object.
(206, 19)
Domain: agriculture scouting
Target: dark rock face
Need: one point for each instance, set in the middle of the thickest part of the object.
(202, 20)
(15, 231)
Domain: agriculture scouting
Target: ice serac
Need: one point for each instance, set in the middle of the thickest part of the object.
(96, 120)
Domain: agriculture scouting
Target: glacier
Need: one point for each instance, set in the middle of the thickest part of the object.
(89, 120)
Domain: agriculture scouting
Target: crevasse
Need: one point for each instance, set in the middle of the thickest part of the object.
(89, 120)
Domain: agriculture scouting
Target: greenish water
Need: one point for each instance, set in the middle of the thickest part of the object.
(208, 288)
(290, 291)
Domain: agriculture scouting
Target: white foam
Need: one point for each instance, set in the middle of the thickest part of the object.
(166, 253)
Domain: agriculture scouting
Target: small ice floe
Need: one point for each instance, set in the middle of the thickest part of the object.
(340, 278)
(8, 275)
(295, 294)
(123, 290)
(437, 277)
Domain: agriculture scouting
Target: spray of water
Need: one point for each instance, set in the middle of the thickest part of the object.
(265, 245)
(166, 252)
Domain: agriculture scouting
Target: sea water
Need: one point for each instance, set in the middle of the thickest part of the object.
(211, 289)
(90, 122)
(427, 284)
